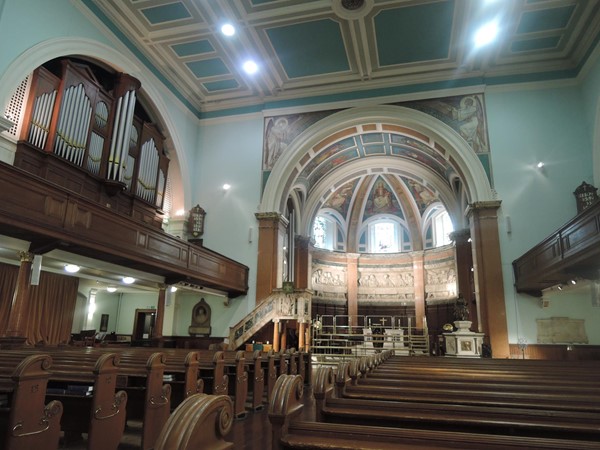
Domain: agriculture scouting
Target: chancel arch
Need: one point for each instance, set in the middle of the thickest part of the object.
(422, 162)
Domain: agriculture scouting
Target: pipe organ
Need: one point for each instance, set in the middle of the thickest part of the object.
(94, 125)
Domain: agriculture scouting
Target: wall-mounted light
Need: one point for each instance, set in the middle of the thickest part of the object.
(72, 268)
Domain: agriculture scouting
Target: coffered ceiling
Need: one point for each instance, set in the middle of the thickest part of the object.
(311, 51)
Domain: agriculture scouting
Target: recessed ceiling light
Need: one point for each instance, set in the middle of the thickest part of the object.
(111, 288)
(228, 29)
(128, 280)
(486, 34)
(250, 67)
(72, 268)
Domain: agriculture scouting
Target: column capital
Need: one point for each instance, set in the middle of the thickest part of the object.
(460, 235)
(482, 206)
(25, 256)
(303, 241)
(271, 217)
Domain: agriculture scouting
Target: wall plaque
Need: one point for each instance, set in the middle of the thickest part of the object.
(586, 195)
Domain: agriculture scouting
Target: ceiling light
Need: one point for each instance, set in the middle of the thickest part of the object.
(228, 29)
(540, 165)
(72, 268)
(226, 187)
(128, 280)
(250, 67)
(173, 288)
(111, 289)
(486, 34)
(573, 281)
(559, 287)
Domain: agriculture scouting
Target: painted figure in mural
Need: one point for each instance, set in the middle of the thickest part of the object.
(472, 128)
(276, 140)
(382, 199)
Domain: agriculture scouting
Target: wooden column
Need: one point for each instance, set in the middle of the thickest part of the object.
(276, 335)
(352, 287)
(16, 330)
(418, 259)
(271, 232)
(489, 286)
(464, 274)
(160, 313)
(302, 262)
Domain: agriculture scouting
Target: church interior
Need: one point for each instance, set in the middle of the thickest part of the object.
(336, 213)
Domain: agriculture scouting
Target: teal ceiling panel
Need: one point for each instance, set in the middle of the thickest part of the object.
(535, 44)
(208, 67)
(222, 85)
(193, 48)
(166, 13)
(416, 33)
(545, 19)
(310, 48)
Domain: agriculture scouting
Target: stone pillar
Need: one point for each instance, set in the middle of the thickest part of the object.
(157, 333)
(302, 262)
(16, 331)
(489, 286)
(276, 335)
(352, 287)
(301, 328)
(271, 233)
(418, 259)
(464, 274)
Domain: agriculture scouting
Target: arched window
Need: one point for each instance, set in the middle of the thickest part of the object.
(324, 232)
(438, 226)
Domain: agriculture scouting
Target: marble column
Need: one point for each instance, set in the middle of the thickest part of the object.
(352, 287)
(418, 259)
(489, 286)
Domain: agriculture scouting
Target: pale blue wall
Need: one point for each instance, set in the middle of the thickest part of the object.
(230, 151)
(526, 126)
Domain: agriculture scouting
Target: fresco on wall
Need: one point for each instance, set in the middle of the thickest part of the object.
(382, 200)
(280, 131)
(465, 114)
(340, 199)
(423, 196)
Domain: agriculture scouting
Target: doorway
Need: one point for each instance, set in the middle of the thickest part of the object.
(143, 324)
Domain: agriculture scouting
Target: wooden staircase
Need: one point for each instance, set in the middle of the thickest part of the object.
(280, 305)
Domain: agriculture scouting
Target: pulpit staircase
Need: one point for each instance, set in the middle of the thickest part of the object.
(280, 305)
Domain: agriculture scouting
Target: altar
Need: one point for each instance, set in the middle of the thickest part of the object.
(463, 343)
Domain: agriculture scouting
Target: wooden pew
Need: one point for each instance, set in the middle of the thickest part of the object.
(211, 368)
(235, 369)
(272, 373)
(26, 422)
(449, 417)
(289, 432)
(255, 369)
(476, 394)
(200, 421)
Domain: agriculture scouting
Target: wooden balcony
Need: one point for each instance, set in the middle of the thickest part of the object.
(573, 251)
(51, 216)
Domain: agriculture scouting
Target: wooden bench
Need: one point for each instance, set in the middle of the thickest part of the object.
(211, 368)
(255, 369)
(449, 417)
(200, 421)
(235, 370)
(289, 432)
(26, 421)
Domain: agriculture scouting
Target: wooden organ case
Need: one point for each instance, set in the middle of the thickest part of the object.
(89, 135)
